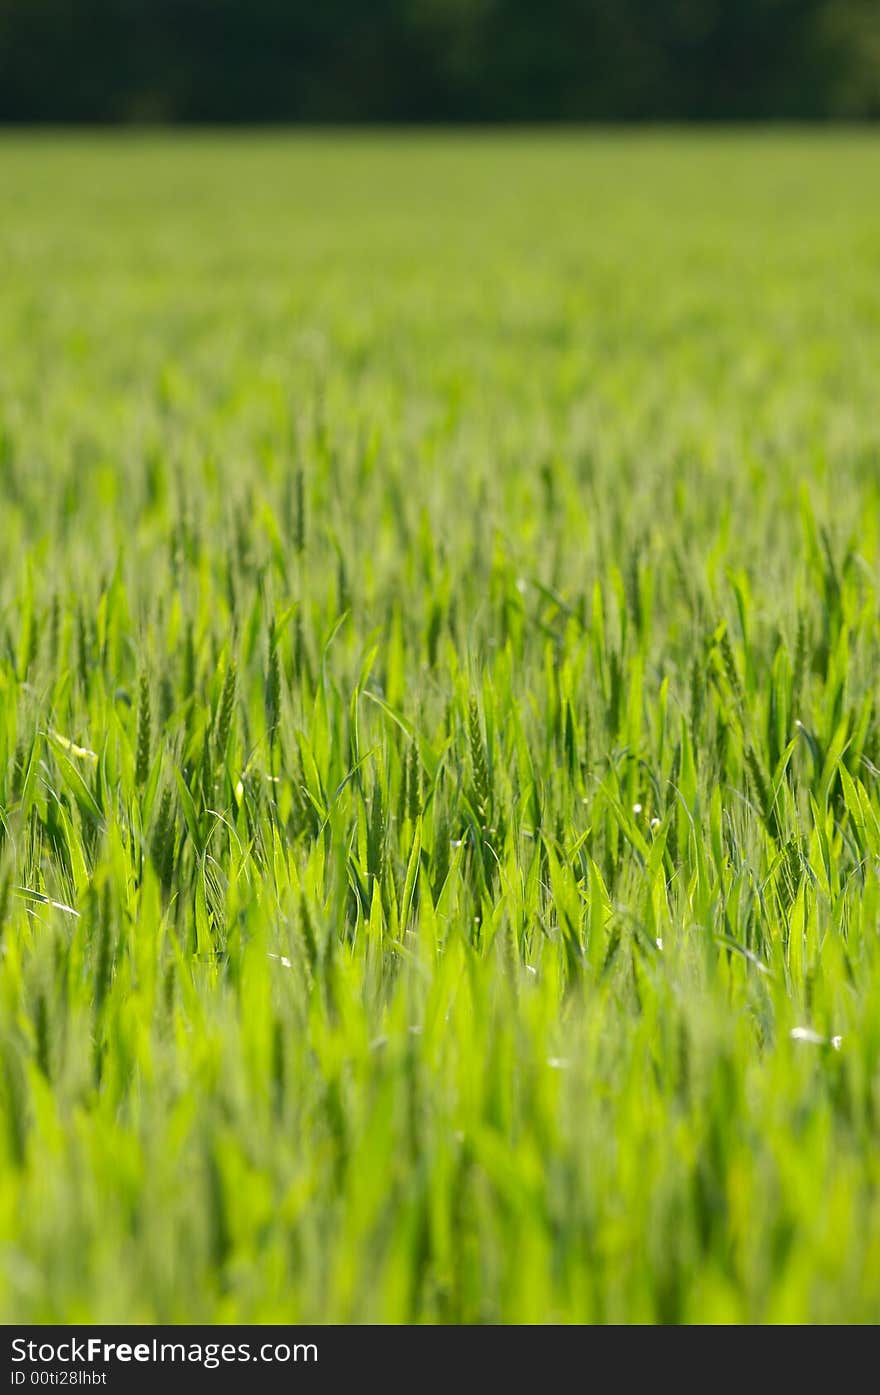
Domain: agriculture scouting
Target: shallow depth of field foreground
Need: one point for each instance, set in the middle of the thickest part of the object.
(439, 728)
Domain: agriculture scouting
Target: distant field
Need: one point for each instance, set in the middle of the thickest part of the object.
(440, 728)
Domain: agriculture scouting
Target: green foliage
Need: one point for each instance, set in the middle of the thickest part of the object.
(438, 60)
(439, 746)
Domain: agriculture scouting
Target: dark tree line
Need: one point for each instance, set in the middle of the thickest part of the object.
(437, 60)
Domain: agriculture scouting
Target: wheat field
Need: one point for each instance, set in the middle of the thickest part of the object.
(439, 728)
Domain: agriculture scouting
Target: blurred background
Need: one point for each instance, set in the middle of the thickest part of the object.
(437, 60)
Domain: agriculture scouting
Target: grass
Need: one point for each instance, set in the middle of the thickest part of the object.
(439, 729)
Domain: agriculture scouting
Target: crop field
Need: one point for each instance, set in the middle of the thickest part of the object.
(440, 728)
